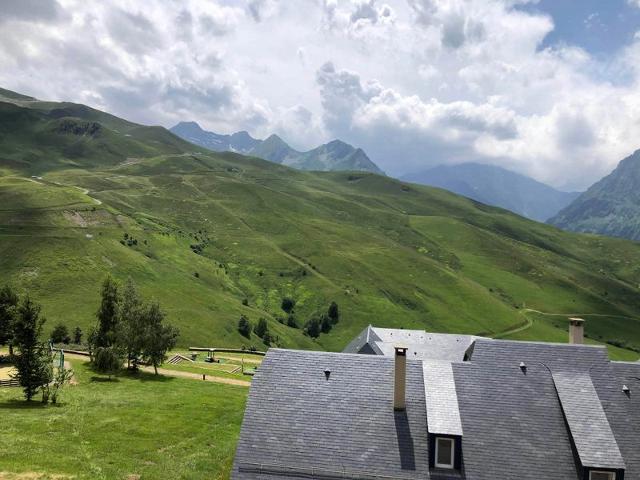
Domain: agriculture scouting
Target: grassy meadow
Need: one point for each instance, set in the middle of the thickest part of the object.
(214, 236)
(111, 430)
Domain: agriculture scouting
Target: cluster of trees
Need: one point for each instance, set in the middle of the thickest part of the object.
(60, 334)
(261, 329)
(129, 240)
(129, 328)
(21, 328)
(322, 323)
(313, 327)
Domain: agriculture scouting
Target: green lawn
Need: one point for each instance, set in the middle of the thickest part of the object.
(155, 427)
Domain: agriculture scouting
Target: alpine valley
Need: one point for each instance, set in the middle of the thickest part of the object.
(216, 235)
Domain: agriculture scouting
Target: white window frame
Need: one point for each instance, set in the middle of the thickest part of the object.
(611, 475)
(453, 452)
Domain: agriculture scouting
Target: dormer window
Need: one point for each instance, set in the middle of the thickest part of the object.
(601, 475)
(445, 453)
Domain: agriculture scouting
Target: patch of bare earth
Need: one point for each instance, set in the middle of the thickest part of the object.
(33, 476)
(6, 373)
(75, 218)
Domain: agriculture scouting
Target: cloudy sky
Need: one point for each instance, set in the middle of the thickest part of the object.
(549, 88)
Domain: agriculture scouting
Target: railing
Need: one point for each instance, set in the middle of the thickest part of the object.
(12, 382)
(313, 472)
(226, 350)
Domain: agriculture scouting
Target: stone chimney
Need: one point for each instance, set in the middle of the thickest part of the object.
(576, 330)
(400, 378)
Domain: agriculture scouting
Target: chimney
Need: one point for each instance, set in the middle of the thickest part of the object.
(400, 378)
(576, 330)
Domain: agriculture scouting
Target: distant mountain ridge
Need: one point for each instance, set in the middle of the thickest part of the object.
(498, 187)
(333, 156)
(611, 206)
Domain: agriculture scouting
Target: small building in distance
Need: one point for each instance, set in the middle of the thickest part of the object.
(422, 406)
(421, 345)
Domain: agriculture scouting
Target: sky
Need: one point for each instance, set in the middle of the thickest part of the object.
(548, 88)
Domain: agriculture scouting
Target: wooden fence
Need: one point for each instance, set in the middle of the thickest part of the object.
(12, 382)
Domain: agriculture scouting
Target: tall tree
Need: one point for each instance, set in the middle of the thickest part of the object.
(33, 360)
(8, 304)
(130, 331)
(159, 337)
(107, 314)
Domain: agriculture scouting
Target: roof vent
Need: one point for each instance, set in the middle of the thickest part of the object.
(625, 389)
(523, 367)
(327, 373)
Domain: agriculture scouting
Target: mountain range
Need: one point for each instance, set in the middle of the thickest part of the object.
(609, 207)
(217, 235)
(498, 187)
(333, 156)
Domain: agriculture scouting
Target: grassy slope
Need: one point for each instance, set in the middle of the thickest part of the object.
(389, 253)
(88, 435)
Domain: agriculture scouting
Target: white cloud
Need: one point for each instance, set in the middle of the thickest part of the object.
(413, 82)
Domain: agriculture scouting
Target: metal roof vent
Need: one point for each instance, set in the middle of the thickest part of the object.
(626, 390)
(327, 373)
(523, 367)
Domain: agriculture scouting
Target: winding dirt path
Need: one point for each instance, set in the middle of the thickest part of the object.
(198, 376)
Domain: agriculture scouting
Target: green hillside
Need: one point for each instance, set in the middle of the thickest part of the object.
(609, 207)
(212, 230)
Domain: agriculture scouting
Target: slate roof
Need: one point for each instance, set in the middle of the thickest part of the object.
(588, 424)
(421, 345)
(299, 424)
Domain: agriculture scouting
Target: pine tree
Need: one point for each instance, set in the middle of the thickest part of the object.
(33, 360)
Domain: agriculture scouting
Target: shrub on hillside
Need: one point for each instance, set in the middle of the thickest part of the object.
(244, 326)
(288, 304)
(312, 327)
(333, 312)
(262, 328)
(325, 323)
